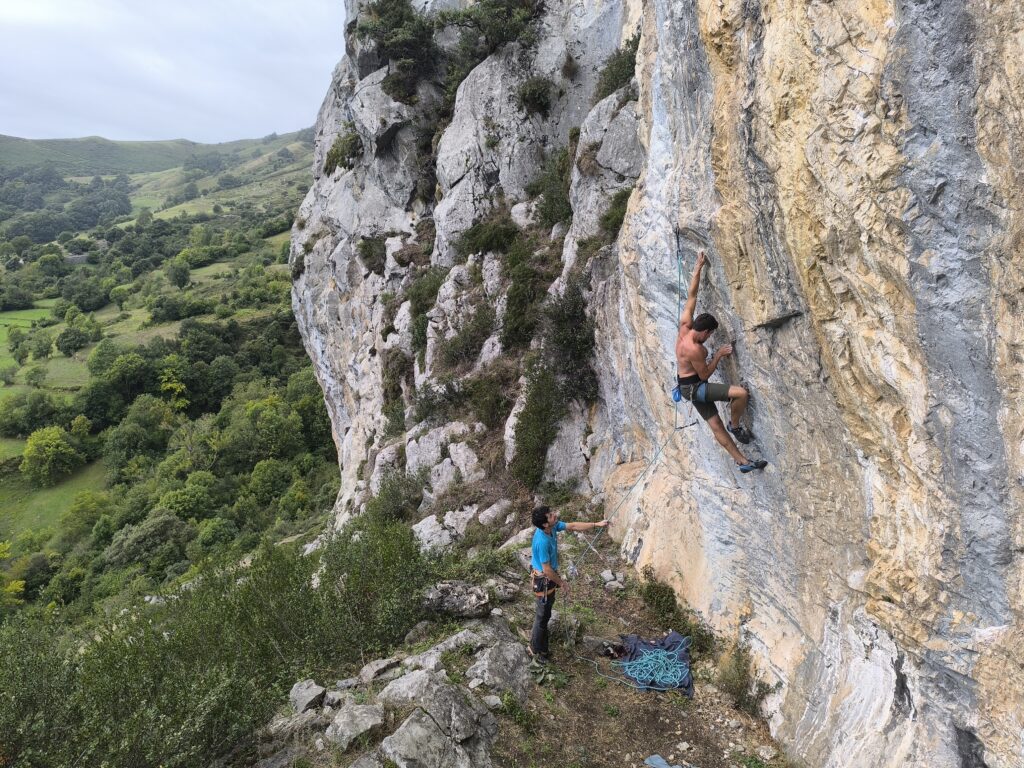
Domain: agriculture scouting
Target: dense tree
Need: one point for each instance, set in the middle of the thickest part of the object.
(70, 340)
(35, 376)
(49, 455)
(177, 272)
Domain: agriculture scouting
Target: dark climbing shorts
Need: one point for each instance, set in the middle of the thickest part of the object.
(712, 392)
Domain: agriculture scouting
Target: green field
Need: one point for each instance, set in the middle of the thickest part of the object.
(25, 507)
(93, 155)
(10, 447)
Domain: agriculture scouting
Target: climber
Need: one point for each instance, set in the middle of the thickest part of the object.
(693, 371)
(544, 562)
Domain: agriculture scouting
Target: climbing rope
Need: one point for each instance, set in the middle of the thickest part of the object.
(657, 669)
(573, 569)
(671, 674)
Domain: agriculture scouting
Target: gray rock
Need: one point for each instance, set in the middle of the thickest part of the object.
(432, 535)
(420, 743)
(465, 459)
(375, 669)
(347, 683)
(459, 519)
(494, 513)
(607, 575)
(525, 536)
(387, 461)
(613, 586)
(504, 667)
(306, 694)
(567, 455)
(353, 721)
(421, 631)
(457, 598)
(443, 476)
(503, 591)
(492, 702)
(767, 753)
(283, 758)
(369, 760)
(336, 698)
(457, 713)
(425, 451)
(431, 659)
(620, 577)
(523, 214)
(284, 727)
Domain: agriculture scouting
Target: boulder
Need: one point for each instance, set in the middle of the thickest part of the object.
(431, 659)
(522, 538)
(504, 667)
(425, 451)
(353, 721)
(495, 513)
(375, 669)
(306, 694)
(443, 476)
(432, 535)
(451, 708)
(465, 459)
(457, 598)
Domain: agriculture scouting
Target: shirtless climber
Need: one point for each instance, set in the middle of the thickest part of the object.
(693, 371)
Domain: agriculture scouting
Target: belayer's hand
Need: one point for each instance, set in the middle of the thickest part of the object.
(602, 524)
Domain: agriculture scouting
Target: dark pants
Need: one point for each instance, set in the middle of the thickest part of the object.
(541, 617)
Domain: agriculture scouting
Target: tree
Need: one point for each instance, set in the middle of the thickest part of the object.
(144, 219)
(7, 374)
(40, 344)
(49, 454)
(35, 376)
(10, 590)
(119, 295)
(71, 340)
(177, 272)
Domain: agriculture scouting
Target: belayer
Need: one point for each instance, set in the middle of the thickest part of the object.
(693, 371)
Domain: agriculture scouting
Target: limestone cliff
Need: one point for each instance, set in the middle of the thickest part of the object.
(853, 169)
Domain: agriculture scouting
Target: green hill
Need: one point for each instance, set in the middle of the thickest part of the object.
(94, 155)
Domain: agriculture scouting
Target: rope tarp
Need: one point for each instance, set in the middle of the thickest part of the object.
(658, 665)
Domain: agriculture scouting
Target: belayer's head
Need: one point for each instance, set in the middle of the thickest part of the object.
(542, 515)
(704, 325)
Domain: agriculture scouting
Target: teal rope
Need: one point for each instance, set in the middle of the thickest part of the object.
(657, 669)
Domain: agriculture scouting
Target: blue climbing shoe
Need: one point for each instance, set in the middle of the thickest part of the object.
(742, 434)
(677, 396)
(752, 465)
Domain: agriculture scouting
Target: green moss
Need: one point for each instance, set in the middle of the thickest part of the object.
(346, 149)
(618, 70)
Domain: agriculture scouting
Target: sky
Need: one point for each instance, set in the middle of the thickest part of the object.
(205, 70)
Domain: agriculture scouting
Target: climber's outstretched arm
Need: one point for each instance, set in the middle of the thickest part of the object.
(691, 297)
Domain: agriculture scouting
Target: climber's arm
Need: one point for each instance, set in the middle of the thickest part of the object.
(691, 297)
(701, 366)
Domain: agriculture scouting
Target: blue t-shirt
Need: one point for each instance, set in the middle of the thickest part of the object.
(545, 548)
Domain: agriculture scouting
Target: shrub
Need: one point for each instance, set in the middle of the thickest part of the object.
(529, 280)
(49, 454)
(422, 294)
(618, 70)
(345, 151)
(436, 402)
(537, 425)
(569, 341)
(490, 396)
(7, 373)
(553, 187)
(661, 600)
(373, 254)
(736, 678)
(464, 347)
(495, 234)
(535, 95)
(398, 499)
(298, 265)
(611, 220)
(404, 38)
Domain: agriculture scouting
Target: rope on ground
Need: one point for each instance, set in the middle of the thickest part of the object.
(664, 668)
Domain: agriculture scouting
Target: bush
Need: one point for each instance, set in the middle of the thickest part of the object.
(436, 402)
(537, 425)
(661, 600)
(618, 70)
(495, 234)
(736, 678)
(611, 220)
(529, 280)
(422, 294)
(405, 39)
(464, 347)
(553, 187)
(490, 396)
(50, 453)
(347, 148)
(398, 499)
(535, 96)
(569, 341)
(373, 254)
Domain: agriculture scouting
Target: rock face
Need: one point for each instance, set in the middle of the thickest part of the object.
(854, 171)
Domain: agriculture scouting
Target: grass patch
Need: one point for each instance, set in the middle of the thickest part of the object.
(24, 507)
(373, 254)
(737, 679)
(345, 150)
(534, 96)
(553, 187)
(464, 347)
(611, 219)
(537, 425)
(661, 600)
(422, 294)
(495, 234)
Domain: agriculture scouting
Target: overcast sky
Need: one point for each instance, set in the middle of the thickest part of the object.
(206, 70)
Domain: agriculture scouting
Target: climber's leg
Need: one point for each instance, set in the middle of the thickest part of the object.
(722, 436)
(739, 398)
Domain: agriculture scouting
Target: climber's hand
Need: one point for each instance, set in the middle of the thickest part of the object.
(701, 259)
(725, 351)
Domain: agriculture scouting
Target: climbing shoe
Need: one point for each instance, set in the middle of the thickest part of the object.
(742, 434)
(750, 466)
